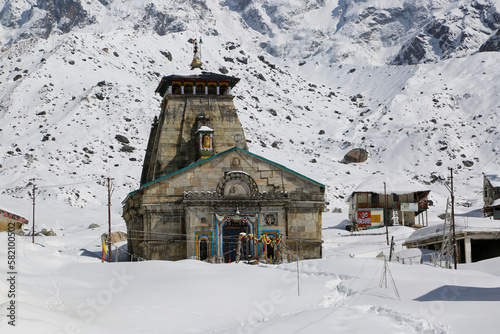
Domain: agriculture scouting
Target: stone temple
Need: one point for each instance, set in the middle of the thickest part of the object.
(203, 195)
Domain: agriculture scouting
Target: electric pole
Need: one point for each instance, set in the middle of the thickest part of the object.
(109, 220)
(385, 211)
(392, 247)
(33, 234)
(298, 259)
(455, 257)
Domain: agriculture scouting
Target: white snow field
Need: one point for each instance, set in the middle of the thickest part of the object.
(62, 288)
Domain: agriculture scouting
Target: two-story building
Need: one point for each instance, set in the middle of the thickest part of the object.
(378, 201)
(491, 195)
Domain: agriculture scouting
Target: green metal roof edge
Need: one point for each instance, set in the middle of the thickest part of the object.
(213, 157)
(281, 166)
(194, 164)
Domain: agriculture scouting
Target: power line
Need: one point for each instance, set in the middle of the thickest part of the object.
(50, 186)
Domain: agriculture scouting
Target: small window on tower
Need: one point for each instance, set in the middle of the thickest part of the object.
(188, 89)
(212, 89)
(223, 89)
(176, 89)
(200, 89)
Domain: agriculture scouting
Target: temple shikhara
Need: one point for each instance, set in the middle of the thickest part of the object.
(203, 195)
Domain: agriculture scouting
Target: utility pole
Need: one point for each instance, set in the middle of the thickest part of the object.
(386, 220)
(33, 234)
(298, 259)
(109, 221)
(392, 247)
(455, 257)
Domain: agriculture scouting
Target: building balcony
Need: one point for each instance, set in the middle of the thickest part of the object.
(422, 205)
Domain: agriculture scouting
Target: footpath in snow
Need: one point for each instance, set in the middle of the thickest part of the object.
(64, 290)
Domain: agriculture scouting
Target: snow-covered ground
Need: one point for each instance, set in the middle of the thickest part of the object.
(62, 287)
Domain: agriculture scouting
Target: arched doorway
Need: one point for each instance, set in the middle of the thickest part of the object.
(230, 226)
(230, 237)
(203, 247)
(236, 186)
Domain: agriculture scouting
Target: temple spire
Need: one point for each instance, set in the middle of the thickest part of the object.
(196, 63)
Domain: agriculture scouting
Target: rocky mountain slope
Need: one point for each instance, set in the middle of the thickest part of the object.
(415, 83)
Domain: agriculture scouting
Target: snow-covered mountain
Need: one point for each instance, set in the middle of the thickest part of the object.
(415, 83)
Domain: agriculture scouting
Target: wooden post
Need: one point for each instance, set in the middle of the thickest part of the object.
(392, 246)
(385, 220)
(455, 255)
(298, 259)
(33, 234)
(109, 221)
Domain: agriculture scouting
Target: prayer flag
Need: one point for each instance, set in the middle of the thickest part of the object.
(104, 250)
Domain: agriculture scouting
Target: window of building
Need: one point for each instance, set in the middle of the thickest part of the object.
(212, 89)
(188, 89)
(200, 89)
(223, 89)
(176, 89)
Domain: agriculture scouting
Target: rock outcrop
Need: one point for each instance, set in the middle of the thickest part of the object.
(356, 155)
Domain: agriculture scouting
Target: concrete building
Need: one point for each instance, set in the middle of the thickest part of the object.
(9, 220)
(477, 239)
(203, 195)
(491, 195)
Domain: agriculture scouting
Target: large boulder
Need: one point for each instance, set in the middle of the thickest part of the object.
(48, 233)
(115, 237)
(355, 156)
(122, 139)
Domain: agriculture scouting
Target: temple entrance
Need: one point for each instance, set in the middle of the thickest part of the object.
(203, 249)
(229, 227)
(230, 236)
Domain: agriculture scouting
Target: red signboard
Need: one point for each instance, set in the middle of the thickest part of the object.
(364, 218)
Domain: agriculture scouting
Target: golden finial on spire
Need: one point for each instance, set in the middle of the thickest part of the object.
(196, 63)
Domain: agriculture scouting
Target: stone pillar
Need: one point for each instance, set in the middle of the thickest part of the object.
(468, 250)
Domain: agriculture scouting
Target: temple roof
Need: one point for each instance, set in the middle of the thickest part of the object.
(199, 162)
(198, 75)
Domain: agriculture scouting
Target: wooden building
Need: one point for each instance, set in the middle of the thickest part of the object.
(378, 201)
